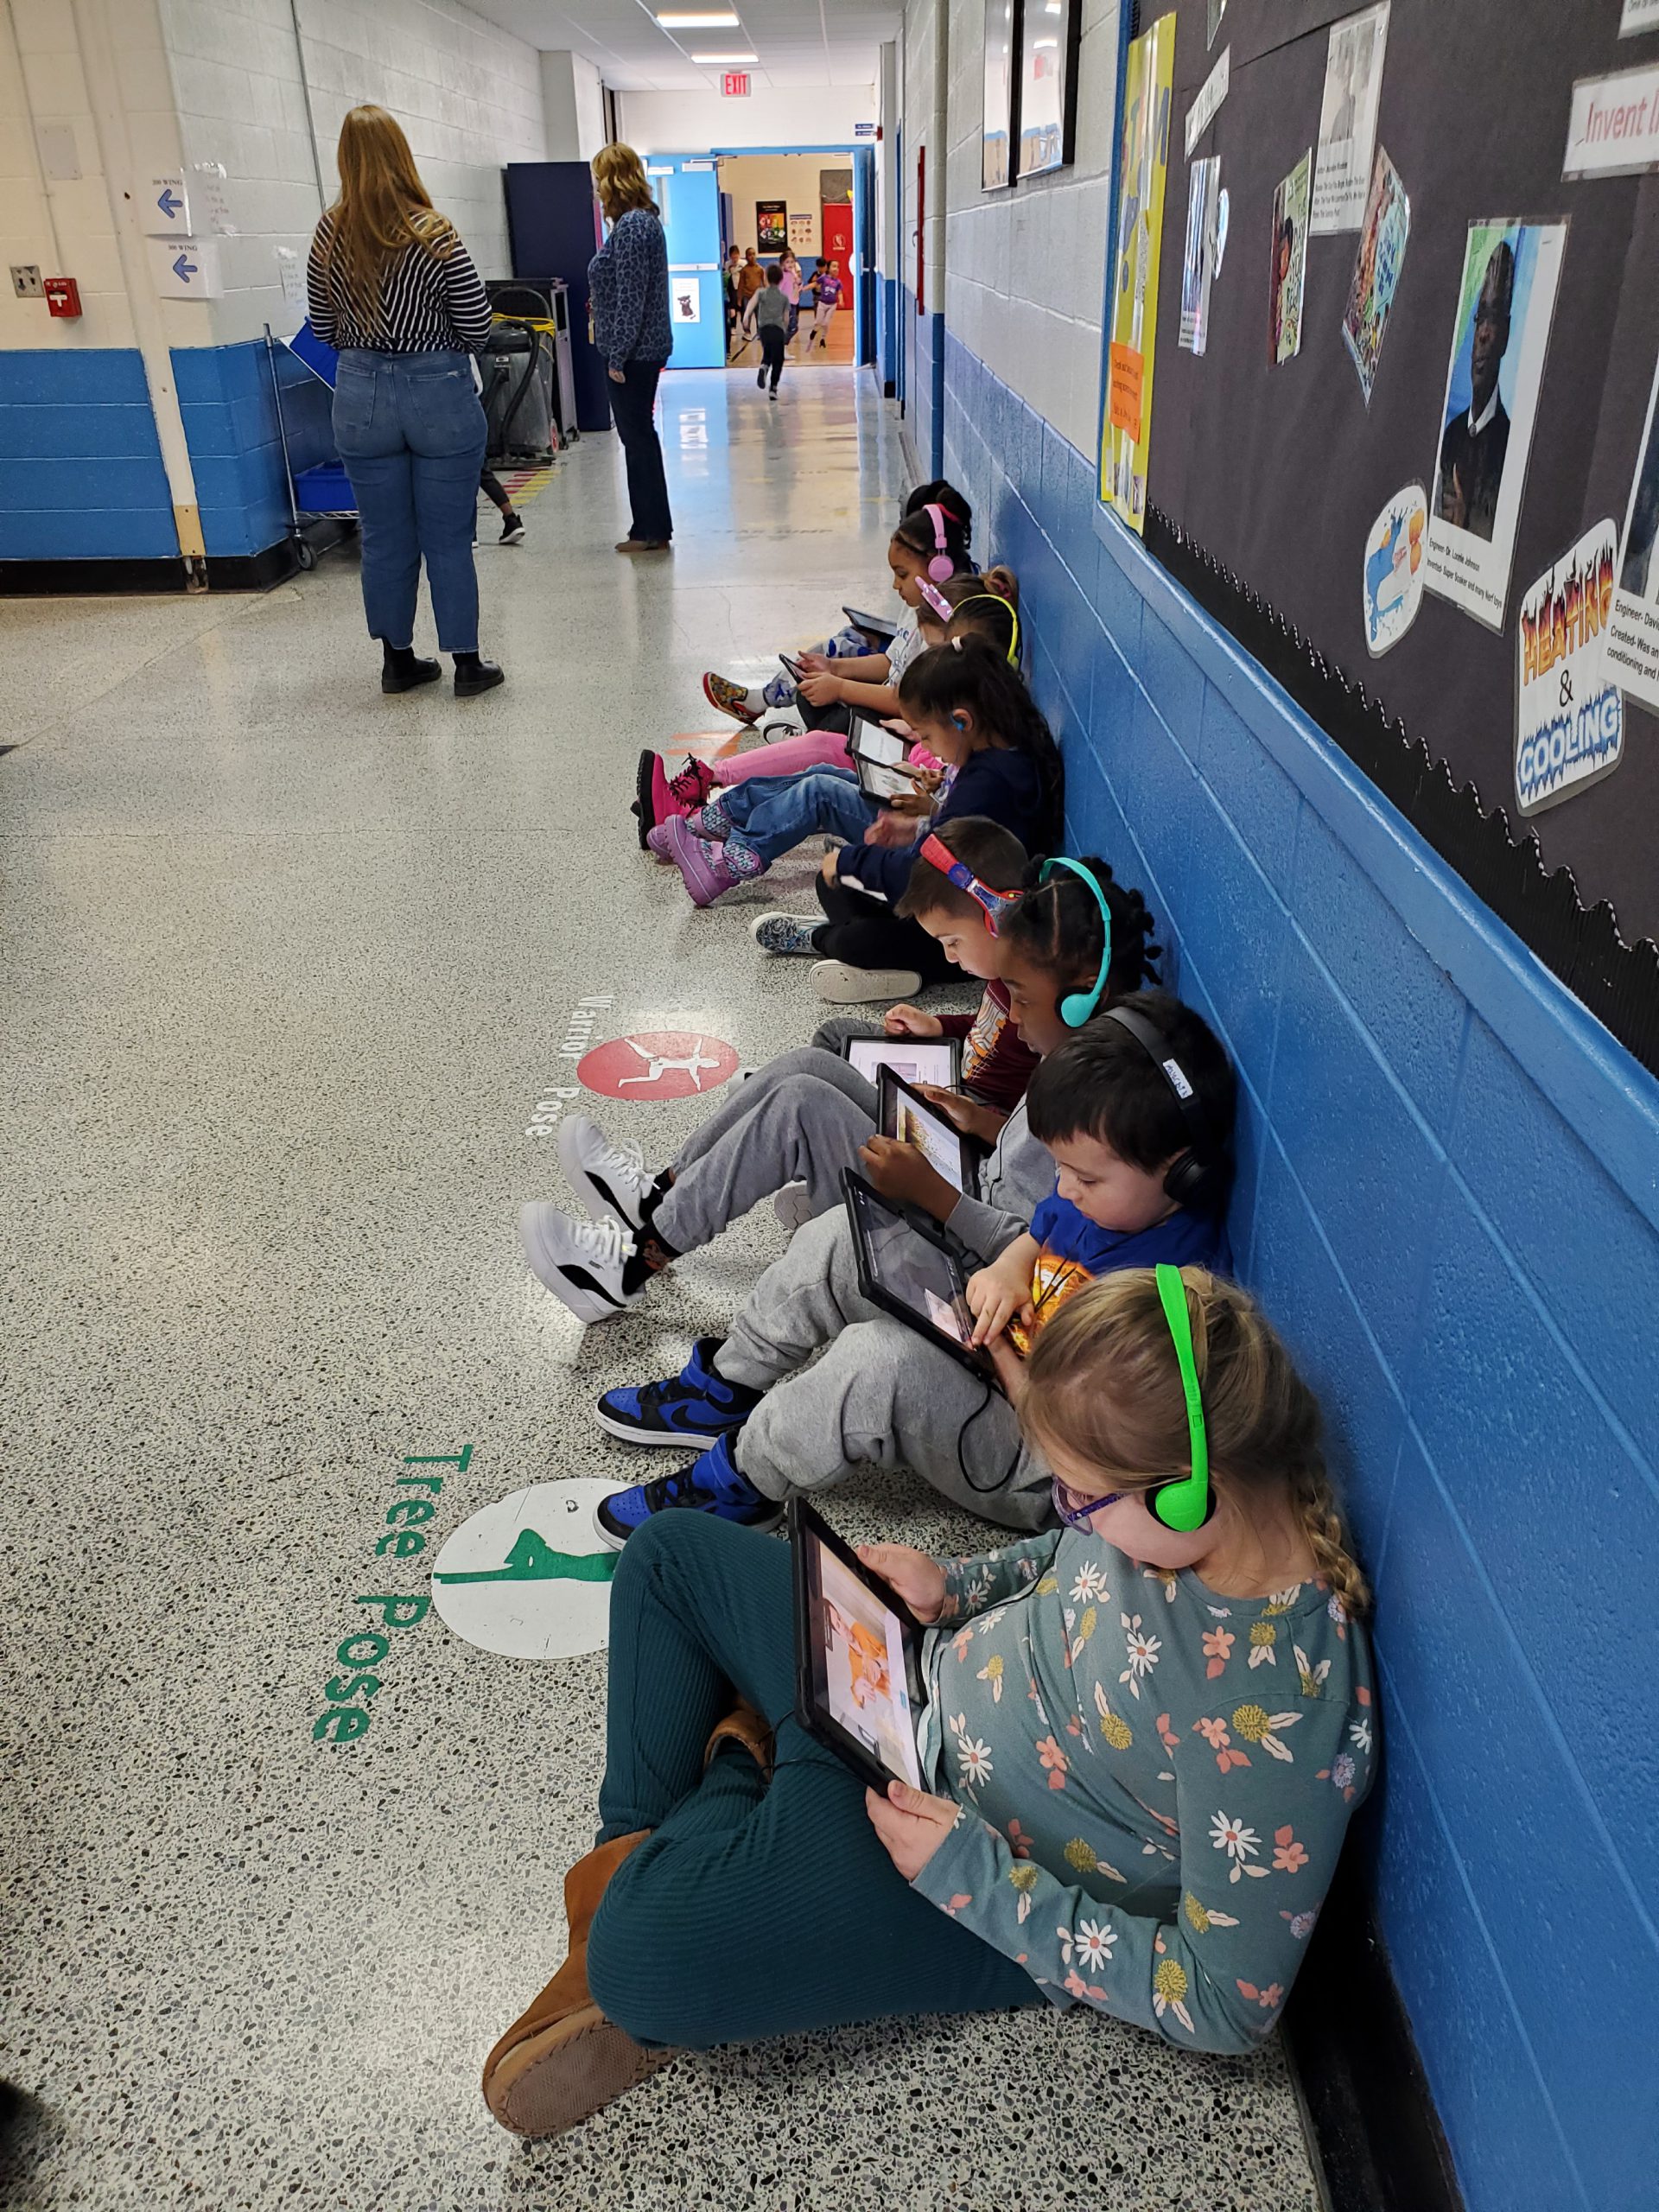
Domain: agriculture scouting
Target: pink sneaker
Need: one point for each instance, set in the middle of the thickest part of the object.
(707, 870)
(692, 785)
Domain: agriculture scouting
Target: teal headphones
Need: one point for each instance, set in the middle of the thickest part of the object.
(1077, 1007)
(1184, 1504)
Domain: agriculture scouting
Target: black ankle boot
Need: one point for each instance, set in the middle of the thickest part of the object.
(474, 675)
(403, 669)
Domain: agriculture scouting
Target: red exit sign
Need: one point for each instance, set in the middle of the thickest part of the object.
(736, 83)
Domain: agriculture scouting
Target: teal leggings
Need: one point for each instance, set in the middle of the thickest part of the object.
(752, 1910)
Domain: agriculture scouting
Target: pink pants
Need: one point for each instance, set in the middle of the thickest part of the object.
(813, 748)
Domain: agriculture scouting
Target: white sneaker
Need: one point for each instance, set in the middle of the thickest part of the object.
(843, 986)
(612, 1180)
(789, 934)
(791, 1207)
(779, 724)
(580, 1262)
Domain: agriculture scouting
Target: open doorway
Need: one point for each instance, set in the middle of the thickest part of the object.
(799, 205)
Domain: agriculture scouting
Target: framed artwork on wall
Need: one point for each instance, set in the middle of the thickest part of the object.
(772, 225)
(1001, 53)
(1047, 88)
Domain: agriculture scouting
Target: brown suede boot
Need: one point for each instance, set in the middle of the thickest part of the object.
(562, 2059)
(743, 1725)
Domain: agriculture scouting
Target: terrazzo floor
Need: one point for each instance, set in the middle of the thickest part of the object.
(286, 967)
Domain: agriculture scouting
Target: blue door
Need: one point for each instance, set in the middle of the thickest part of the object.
(687, 189)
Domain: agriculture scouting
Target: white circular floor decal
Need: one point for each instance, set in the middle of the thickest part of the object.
(528, 1576)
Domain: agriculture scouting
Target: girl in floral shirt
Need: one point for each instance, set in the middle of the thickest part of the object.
(1143, 1747)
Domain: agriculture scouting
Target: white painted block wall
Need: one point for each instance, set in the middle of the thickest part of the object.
(701, 123)
(1026, 269)
(468, 96)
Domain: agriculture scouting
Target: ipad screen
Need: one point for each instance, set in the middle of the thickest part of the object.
(860, 1647)
(913, 1270)
(919, 1060)
(914, 1122)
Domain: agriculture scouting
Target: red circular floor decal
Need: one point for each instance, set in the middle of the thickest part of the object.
(658, 1064)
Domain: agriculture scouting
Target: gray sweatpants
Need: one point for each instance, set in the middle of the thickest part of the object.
(881, 1393)
(800, 1119)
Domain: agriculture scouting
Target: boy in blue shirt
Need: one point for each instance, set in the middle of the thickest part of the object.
(1136, 1109)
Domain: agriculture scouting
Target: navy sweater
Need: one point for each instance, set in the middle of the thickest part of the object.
(1004, 786)
(627, 282)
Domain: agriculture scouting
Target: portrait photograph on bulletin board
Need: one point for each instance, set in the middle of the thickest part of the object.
(996, 135)
(1046, 91)
(1426, 497)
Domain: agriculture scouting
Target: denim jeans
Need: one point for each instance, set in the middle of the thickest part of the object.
(410, 431)
(773, 813)
(633, 403)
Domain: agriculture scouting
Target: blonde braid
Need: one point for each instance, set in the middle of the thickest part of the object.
(1316, 1505)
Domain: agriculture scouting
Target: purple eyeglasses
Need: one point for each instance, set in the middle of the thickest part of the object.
(1073, 1509)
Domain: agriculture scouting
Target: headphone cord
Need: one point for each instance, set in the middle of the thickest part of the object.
(983, 1490)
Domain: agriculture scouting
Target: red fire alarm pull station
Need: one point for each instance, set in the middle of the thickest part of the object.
(736, 83)
(62, 296)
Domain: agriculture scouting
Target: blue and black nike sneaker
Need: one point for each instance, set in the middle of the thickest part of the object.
(694, 1406)
(714, 1483)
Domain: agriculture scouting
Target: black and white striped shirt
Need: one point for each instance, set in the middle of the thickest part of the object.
(426, 306)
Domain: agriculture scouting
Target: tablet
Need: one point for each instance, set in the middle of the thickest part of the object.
(872, 626)
(919, 1060)
(876, 755)
(909, 1266)
(793, 669)
(858, 1657)
(905, 1113)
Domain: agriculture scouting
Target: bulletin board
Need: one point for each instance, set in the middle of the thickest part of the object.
(1320, 470)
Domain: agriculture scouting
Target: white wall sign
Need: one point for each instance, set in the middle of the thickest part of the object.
(685, 299)
(165, 208)
(185, 269)
(60, 156)
(529, 1576)
(290, 272)
(803, 233)
(1569, 716)
(1211, 95)
(1638, 15)
(1612, 129)
(1392, 591)
(208, 192)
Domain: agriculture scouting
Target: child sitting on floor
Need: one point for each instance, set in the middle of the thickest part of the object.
(967, 606)
(750, 703)
(1065, 1847)
(1143, 1178)
(968, 706)
(788, 1132)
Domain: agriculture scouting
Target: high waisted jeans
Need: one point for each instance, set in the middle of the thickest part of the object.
(410, 432)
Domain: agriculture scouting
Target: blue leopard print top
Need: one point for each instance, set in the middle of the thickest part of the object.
(627, 281)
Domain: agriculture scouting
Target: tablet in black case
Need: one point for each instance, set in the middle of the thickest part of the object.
(909, 1266)
(858, 1657)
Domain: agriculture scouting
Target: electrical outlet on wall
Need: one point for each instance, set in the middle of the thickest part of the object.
(26, 281)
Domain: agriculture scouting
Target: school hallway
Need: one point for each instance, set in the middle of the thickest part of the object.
(288, 966)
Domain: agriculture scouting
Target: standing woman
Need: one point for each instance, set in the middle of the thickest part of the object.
(627, 282)
(391, 285)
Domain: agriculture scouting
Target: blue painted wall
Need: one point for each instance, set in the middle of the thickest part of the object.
(1448, 1199)
(80, 465)
(230, 426)
(80, 469)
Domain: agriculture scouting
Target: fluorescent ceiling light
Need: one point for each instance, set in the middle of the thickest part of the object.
(718, 19)
(1038, 43)
(716, 60)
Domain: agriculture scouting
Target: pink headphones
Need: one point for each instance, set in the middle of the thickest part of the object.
(935, 598)
(941, 567)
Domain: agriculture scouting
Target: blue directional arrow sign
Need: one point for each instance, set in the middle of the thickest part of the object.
(168, 204)
(184, 270)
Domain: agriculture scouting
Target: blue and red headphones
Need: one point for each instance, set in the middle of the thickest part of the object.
(994, 904)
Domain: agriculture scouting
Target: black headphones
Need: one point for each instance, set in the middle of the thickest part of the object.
(1197, 1177)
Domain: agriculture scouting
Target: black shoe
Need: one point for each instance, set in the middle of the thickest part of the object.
(761, 379)
(474, 675)
(402, 668)
(513, 528)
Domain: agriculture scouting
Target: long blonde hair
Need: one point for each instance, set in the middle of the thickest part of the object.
(620, 178)
(383, 208)
(1103, 1383)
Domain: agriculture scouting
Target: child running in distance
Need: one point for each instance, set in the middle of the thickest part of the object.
(966, 607)
(1105, 1761)
(1124, 1143)
(967, 706)
(767, 314)
(827, 289)
(922, 539)
(787, 1133)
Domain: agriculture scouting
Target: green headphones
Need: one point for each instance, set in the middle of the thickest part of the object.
(1077, 1007)
(1184, 1504)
